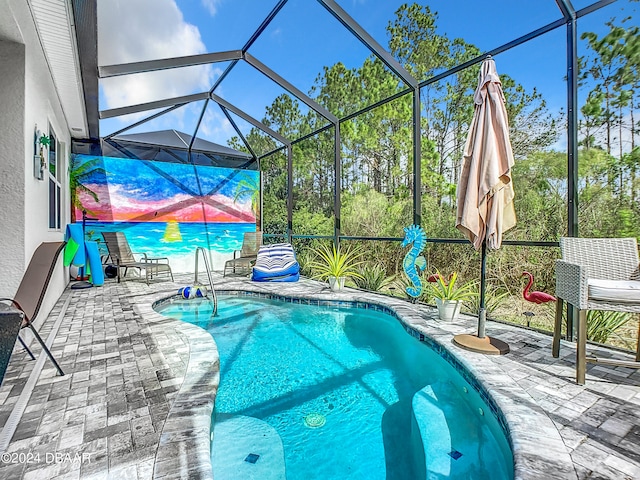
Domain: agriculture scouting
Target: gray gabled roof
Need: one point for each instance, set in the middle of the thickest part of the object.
(173, 146)
(180, 141)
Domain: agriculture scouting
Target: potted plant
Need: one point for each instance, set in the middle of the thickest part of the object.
(448, 295)
(335, 265)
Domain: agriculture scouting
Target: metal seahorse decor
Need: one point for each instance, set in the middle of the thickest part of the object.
(414, 262)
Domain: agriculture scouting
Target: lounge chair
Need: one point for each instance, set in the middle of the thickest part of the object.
(244, 258)
(32, 289)
(596, 274)
(276, 263)
(120, 253)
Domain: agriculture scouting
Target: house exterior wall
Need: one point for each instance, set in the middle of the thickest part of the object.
(29, 100)
(12, 172)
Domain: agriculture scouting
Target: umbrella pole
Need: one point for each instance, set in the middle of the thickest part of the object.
(481, 343)
(482, 313)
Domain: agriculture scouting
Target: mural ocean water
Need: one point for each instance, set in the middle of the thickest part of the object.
(166, 209)
(155, 239)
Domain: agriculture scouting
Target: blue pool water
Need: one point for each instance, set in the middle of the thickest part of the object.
(349, 392)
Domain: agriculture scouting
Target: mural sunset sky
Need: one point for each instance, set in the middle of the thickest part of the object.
(144, 191)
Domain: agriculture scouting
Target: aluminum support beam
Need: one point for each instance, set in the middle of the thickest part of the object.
(572, 129)
(248, 118)
(572, 148)
(503, 48)
(265, 23)
(261, 67)
(417, 158)
(593, 7)
(566, 8)
(235, 127)
(108, 71)
(227, 106)
(364, 37)
(140, 122)
(85, 19)
(143, 107)
(261, 28)
(337, 168)
(289, 192)
(261, 199)
(197, 127)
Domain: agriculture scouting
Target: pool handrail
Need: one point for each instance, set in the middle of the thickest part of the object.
(212, 288)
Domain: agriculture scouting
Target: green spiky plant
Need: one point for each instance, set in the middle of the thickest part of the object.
(336, 262)
(602, 324)
(493, 296)
(448, 289)
(305, 258)
(372, 277)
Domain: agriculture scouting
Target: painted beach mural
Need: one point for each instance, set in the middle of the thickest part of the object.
(166, 209)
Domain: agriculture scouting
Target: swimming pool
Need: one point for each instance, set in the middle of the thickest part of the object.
(329, 392)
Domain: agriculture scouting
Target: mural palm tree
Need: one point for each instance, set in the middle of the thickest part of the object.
(248, 187)
(80, 173)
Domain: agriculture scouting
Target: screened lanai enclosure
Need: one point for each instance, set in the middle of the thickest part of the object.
(354, 116)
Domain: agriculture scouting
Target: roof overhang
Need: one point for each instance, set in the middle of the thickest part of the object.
(56, 27)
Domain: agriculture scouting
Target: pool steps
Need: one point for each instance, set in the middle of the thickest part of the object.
(246, 448)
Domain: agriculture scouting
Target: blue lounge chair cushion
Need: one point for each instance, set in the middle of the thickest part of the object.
(284, 278)
(276, 263)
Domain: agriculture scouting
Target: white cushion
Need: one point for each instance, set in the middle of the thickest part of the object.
(616, 291)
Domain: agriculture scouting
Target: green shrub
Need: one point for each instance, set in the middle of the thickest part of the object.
(602, 324)
(336, 262)
(372, 277)
(493, 296)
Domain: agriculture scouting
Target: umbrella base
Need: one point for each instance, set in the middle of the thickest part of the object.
(486, 345)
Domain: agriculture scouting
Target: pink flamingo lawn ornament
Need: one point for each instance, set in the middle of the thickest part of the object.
(535, 297)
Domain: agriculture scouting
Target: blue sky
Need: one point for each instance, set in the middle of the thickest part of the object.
(302, 39)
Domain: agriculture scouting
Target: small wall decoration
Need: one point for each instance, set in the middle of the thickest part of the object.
(40, 143)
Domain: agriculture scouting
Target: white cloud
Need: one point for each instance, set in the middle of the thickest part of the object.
(211, 6)
(138, 30)
(277, 32)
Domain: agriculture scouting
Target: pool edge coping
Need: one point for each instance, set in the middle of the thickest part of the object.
(181, 453)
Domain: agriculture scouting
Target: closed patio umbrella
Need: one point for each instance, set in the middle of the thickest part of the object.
(485, 191)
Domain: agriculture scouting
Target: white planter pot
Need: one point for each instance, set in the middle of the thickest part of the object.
(448, 309)
(336, 283)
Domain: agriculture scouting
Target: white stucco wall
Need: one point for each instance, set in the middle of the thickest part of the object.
(12, 173)
(28, 98)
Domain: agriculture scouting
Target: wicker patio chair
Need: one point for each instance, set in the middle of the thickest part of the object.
(120, 253)
(596, 274)
(244, 258)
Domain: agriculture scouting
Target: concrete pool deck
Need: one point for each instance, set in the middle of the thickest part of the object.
(138, 386)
